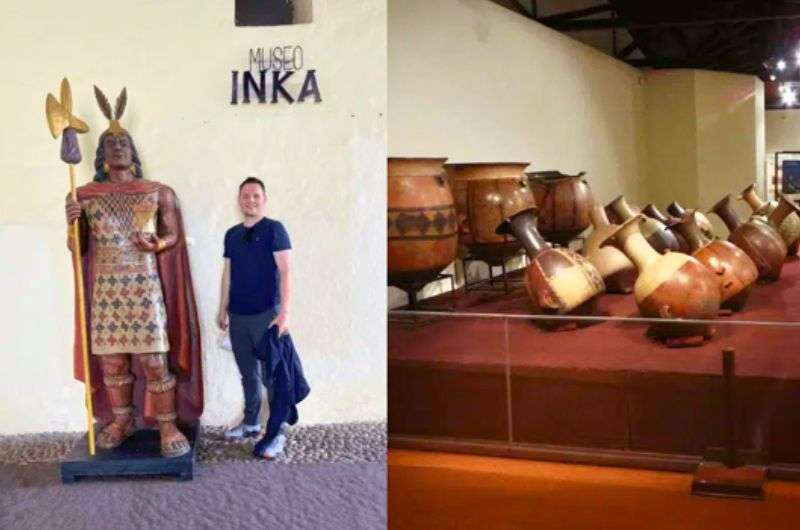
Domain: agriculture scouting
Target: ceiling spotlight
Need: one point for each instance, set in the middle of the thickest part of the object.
(781, 65)
(788, 97)
(772, 77)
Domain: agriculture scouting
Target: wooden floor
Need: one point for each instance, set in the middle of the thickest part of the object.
(440, 491)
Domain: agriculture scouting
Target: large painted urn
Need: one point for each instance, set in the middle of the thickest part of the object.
(617, 270)
(735, 271)
(422, 235)
(789, 229)
(489, 193)
(564, 202)
(558, 280)
(655, 232)
(654, 213)
(672, 285)
(756, 237)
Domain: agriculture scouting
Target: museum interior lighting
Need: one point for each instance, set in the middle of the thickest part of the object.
(788, 96)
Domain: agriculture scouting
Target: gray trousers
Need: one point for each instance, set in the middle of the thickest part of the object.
(246, 331)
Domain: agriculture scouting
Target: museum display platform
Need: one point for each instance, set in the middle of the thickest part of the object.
(139, 455)
(603, 393)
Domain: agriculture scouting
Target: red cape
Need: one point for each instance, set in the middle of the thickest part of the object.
(183, 328)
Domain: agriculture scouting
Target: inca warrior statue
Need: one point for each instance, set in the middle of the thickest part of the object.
(143, 333)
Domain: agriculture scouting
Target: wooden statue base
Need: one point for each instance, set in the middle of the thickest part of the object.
(139, 455)
(744, 481)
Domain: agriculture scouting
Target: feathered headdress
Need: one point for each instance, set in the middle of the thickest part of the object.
(119, 108)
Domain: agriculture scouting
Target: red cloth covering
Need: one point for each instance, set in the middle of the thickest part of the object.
(185, 355)
(480, 343)
(602, 386)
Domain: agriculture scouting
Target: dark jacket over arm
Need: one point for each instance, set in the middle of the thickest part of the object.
(289, 384)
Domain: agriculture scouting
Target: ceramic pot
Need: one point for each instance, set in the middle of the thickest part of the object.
(789, 229)
(651, 211)
(422, 234)
(617, 270)
(459, 189)
(760, 241)
(677, 211)
(655, 232)
(612, 215)
(734, 270)
(564, 202)
(489, 193)
(671, 285)
(558, 280)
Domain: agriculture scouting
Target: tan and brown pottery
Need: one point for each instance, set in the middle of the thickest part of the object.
(677, 211)
(655, 232)
(651, 211)
(459, 189)
(488, 194)
(564, 202)
(422, 234)
(789, 229)
(734, 270)
(671, 285)
(611, 213)
(558, 280)
(617, 270)
(757, 238)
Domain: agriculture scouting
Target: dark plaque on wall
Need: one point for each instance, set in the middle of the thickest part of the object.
(791, 176)
(264, 12)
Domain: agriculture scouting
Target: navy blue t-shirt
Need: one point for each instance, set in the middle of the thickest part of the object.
(255, 279)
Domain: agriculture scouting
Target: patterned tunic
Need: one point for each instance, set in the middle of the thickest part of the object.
(128, 314)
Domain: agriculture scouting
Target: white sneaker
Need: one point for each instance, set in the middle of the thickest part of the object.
(275, 448)
(243, 431)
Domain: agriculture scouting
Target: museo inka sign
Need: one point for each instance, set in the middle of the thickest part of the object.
(273, 76)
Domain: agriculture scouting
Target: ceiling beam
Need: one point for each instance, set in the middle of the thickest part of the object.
(608, 23)
(520, 8)
(627, 50)
(664, 63)
(578, 13)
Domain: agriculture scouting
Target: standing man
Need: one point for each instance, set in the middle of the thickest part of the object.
(255, 295)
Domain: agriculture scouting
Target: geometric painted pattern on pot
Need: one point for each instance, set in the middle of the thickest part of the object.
(425, 223)
(128, 314)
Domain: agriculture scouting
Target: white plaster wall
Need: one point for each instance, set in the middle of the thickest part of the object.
(761, 138)
(705, 137)
(782, 131)
(730, 154)
(323, 164)
(473, 81)
(670, 119)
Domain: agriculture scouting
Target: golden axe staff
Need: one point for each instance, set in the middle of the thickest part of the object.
(62, 122)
